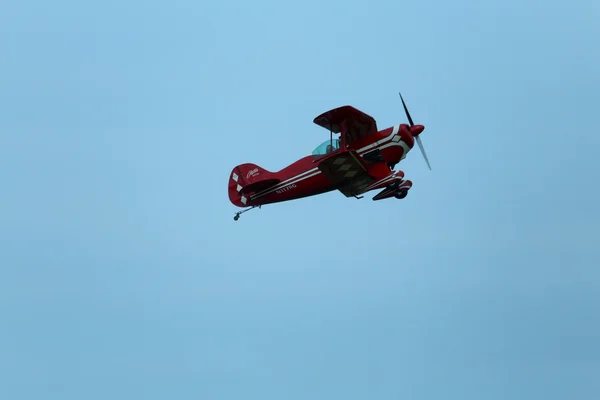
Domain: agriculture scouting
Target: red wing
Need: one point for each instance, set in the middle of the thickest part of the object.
(355, 123)
(347, 171)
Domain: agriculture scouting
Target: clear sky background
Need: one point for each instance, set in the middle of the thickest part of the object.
(124, 276)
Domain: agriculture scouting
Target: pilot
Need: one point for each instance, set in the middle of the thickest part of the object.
(328, 149)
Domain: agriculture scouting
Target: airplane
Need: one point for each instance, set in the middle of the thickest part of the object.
(361, 159)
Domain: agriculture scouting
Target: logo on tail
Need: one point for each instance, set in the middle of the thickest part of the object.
(252, 173)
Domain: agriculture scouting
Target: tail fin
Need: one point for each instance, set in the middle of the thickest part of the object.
(246, 179)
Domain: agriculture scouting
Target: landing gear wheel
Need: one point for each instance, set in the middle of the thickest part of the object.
(401, 194)
(237, 214)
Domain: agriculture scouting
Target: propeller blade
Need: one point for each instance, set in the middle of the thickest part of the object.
(406, 110)
(423, 151)
(418, 138)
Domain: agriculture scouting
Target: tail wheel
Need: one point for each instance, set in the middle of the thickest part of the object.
(401, 194)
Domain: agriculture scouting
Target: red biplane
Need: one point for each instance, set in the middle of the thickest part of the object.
(360, 160)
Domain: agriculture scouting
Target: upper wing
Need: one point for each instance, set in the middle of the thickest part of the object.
(354, 123)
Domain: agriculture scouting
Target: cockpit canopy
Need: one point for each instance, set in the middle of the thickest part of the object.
(327, 147)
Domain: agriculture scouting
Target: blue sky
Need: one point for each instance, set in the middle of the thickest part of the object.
(123, 275)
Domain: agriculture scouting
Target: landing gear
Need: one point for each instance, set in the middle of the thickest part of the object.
(237, 214)
(401, 194)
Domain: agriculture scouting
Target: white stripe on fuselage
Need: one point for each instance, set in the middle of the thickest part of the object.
(280, 186)
(379, 145)
(401, 144)
(286, 182)
(376, 145)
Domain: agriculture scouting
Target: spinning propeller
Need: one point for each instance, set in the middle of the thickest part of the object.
(416, 129)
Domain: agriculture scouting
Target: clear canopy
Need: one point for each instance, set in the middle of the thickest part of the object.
(326, 147)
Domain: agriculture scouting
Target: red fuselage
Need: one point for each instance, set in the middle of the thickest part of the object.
(303, 178)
